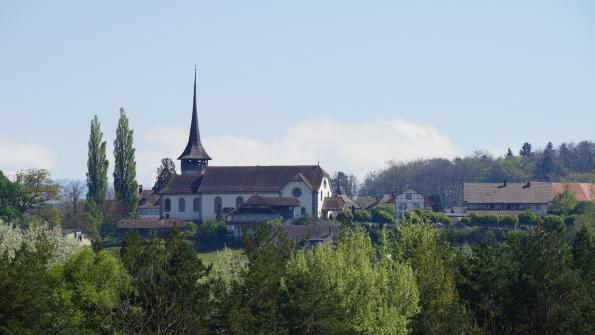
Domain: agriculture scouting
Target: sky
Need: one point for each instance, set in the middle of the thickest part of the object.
(349, 84)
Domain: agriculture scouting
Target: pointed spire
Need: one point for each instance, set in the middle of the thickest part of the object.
(338, 191)
(194, 148)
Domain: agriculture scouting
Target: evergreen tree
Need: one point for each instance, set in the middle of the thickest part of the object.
(547, 166)
(125, 185)
(526, 150)
(509, 153)
(164, 173)
(96, 165)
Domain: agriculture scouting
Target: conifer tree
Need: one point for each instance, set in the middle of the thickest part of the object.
(164, 173)
(125, 185)
(96, 166)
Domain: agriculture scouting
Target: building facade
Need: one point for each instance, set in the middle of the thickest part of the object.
(406, 201)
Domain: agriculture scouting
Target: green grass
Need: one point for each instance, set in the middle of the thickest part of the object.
(212, 257)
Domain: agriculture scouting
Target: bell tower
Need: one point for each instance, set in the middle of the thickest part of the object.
(194, 158)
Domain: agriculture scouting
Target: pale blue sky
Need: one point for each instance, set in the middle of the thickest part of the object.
(483, 74)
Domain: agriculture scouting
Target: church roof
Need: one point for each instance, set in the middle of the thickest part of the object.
(194, 148)
(257, 200)
(245, 179)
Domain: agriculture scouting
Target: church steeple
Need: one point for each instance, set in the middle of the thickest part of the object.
(194, 158)
(338, 191)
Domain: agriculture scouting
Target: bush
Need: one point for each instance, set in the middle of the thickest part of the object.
(383, 214)
(209, 230)
(528, 218)
(345, 216)
(362, 215)
(511, 220)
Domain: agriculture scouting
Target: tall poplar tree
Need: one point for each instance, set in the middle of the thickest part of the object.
(125, 185)
(96, 166)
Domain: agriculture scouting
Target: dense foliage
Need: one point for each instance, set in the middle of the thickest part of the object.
(125, 185)
(444, 178)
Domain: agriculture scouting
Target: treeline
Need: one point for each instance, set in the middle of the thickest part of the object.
(412, 280)
(445, 178)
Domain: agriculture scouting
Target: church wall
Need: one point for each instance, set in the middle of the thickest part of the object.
(305, 198)
(188, 214)
(323, 192)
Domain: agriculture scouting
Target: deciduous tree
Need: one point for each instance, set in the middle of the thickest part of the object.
(125, 185)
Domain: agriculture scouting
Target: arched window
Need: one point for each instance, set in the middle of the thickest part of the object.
(320, 195)
(218, 204)
(303, 211)
(296, 192)
(239, 202)
(196, 204)
(182, 205)
(167, 205)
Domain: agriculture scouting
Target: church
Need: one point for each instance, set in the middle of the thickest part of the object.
(203, 192)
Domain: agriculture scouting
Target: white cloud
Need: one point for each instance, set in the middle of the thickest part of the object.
(354, 148)
(16, 155)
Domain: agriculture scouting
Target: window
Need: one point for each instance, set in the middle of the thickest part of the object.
(303, 211)
(167, 205)
(218, 204)
(320, 195)
(408, 196)
(239, 202)
(403, 206)
(296, 192)
(324, 182)
(416, 205)
(182, 205)
(196, 204)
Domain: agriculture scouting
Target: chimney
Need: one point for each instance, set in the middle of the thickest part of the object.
(527, 185)
(504, 182)
(140, 189)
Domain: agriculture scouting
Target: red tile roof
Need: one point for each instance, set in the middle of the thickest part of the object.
(150, 223)
(582, 191)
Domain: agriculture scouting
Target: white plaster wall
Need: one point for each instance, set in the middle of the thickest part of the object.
(305, 199)
(188, 214)
(323, 192)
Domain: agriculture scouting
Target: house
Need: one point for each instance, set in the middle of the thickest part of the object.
(514, 198)
(336, 203)
(308, 236)
(281, 208)
(148, 204)
(383, 200)
(202, 192)
(408, 200)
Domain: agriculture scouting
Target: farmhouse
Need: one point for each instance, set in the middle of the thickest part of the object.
(514, 198)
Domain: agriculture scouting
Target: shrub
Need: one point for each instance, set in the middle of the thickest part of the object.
(345, 216)
(362, 215)
(383, 214)
(528, 218)
(511, 220)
